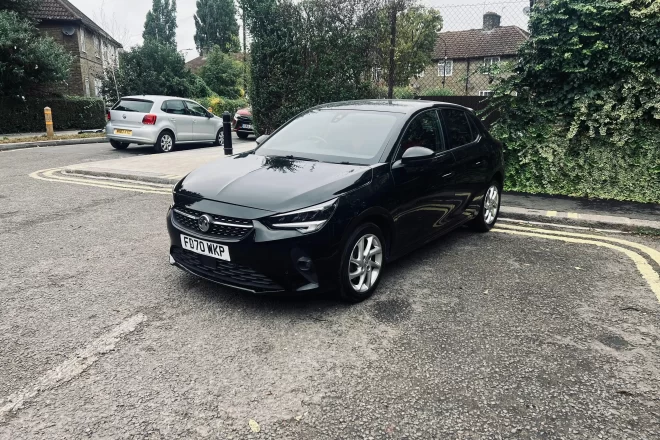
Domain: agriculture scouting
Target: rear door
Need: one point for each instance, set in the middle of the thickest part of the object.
(129, 112)
(424, 196)
(471, 153)
(178, 115)
(203, 127)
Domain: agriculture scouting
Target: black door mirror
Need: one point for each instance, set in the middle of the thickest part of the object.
(416, 154)
(263, 138)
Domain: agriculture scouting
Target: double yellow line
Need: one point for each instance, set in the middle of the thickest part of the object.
(56, 175)
(643, 266)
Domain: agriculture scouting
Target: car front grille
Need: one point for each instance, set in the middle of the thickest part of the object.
(226, 228)
(224, 271)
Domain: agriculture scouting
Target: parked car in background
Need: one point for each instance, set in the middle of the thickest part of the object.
(335, 195)
(243, 123)
(161, 121)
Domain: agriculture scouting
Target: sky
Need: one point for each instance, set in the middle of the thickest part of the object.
(124, 19)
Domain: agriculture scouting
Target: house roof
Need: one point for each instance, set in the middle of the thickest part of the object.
(63, 10)
(475, 43)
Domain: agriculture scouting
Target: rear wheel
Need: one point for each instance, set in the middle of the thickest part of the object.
(219, 138)
(165, 142)
(490, 209)
(119, 145)
(362, 263)
(242, 135)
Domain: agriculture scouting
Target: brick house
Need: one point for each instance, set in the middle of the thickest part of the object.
(464, 61)
(93, 49)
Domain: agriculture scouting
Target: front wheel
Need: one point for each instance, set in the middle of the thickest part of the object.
(119, 145)
(219, 138)
(490, 209)
(165, 142)
(362, 263)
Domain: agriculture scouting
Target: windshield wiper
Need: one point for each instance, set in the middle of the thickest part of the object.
(300, 158)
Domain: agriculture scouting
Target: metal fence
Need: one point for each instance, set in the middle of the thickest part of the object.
(474, 48)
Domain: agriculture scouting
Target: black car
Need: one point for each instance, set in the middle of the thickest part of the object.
(335, 195)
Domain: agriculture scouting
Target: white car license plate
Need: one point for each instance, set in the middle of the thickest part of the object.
(247, 126)
(205, 248)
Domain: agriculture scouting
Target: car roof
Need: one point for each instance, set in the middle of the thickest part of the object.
(404, 106)
(154, 97)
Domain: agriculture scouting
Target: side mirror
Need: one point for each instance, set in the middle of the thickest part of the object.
(416, 154)
(263, 138)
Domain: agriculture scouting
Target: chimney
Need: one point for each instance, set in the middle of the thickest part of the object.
(491, 21)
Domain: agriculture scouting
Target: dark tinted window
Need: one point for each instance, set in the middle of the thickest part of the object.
(458, 127)
(196, 109)
(476, 128)
(174, 107)
(133, 105)
(423, 131)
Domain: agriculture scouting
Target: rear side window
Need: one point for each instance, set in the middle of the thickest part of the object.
(458, 127)
(174, 107)
(134, 105)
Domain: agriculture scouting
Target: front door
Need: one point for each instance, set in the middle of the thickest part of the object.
(423, 192)
(471, 153)
(203, 128)
(183, 124)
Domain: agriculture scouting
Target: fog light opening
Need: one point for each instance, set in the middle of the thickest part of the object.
(304, 264)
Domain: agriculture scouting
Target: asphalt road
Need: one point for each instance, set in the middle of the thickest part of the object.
(475, 336)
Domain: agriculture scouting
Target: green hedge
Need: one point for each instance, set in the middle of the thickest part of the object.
(24, 116)
(220, 105)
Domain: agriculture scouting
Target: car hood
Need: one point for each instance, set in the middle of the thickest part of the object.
(273, 183)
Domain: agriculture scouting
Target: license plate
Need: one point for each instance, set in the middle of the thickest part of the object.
(205, 248)
(247, 126)
(126, 132)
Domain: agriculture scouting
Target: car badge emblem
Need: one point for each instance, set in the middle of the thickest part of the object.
(123, 116)
(204, 223)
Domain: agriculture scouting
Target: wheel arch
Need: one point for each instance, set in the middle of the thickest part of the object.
(381, 218)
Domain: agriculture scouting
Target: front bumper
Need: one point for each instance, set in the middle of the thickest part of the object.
(265, 261)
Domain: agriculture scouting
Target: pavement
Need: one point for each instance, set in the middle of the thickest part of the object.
(167, 169)
(522, 333)
(41, 133)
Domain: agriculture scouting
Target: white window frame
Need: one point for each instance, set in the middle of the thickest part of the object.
(449, 63)
(421, 73)
(83, 45)
(485, 93)
(97, 46)
(376, 74)
(489, 61)
(97, 87)
(87, 91)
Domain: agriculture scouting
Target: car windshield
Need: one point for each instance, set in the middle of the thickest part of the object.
(333, 135)
(133, 105)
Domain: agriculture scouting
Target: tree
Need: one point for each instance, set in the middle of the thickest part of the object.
(222, 74)
(216, 25)
(416, 31)
(20, 6)
(153, 69)
(28, 59)
(160, 25)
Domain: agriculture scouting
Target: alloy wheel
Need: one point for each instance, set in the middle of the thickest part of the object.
(365, 263)
(166, 142)
(491, 204)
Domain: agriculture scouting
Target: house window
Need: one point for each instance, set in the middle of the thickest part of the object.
(485, 93)
(83, 47)
(446, 66)
(491, 61)
(97, 46)
(420, 74)
(87, 87)
(97, 87)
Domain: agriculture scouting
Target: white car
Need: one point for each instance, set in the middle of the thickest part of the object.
(161, 121)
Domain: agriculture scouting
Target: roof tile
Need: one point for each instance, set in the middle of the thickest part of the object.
(475, 43)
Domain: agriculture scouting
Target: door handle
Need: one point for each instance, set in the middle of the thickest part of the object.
(173, 119)
(479, 163)
(445, 176)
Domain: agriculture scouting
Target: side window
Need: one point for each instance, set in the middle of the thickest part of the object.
(174, 107)
(476, 131)
(423, 131)
(458, 127)
(196, 109)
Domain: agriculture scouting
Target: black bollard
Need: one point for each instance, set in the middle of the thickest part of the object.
(226, 123)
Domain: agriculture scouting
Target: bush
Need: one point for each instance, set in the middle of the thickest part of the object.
(220, 105)
(68, 113)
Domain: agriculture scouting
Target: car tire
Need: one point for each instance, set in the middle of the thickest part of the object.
(242, 135)
(490, 208)
(219, 138)
(165, 142)
(357, 288)
(119, 145)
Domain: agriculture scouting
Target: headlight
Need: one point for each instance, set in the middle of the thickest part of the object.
(304, 220)
(236, 116)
